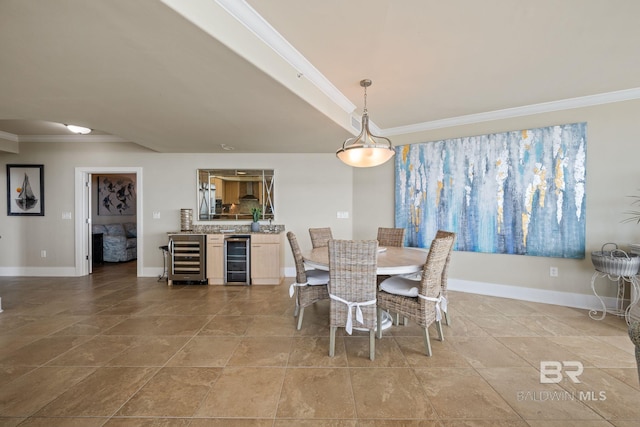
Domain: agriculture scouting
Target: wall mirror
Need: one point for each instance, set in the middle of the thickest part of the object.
(230, 194)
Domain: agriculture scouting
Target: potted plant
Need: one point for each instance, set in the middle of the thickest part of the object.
(255, 225)
(634, 215)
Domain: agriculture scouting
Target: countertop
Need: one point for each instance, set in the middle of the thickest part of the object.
(236, 229)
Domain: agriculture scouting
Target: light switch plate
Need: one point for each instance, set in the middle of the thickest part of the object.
(156, 215)
(343, 215)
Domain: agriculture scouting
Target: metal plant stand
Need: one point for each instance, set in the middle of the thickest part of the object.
(619, 309)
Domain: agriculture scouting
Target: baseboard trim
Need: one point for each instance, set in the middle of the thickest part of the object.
(38, 271)
(545, 296)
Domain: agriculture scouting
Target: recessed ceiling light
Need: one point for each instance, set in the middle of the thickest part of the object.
(78, 129)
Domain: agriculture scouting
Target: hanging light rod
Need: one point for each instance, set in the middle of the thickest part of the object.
(366, 149)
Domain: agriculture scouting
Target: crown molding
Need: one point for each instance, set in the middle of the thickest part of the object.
(255, 23)
(527, 110)
(69, 138)
(9, 136)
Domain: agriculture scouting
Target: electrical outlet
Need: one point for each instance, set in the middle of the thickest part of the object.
(43, 254)
(156, 215)
(553, 271)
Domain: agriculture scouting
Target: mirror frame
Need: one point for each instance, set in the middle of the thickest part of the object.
(211, 208)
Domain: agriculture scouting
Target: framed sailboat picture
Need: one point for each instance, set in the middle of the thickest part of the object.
(25, 190)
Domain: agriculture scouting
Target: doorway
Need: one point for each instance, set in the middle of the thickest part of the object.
(84, 208)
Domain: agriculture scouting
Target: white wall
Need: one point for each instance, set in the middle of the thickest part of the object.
(312, 188)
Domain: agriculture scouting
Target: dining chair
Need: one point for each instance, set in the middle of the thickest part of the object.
(422, 300)
(391, 236)
(445, 274)
(352, 288)
(320, 236)
(310, 285)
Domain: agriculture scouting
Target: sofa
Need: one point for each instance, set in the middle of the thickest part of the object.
(119, 241)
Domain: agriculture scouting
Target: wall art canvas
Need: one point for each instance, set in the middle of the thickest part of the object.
(116, 195)
(25, 190)
(520, 192)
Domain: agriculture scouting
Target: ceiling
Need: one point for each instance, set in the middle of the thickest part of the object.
(282, 76)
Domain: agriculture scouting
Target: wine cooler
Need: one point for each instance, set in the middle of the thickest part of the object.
(237, 269)
(188, 258)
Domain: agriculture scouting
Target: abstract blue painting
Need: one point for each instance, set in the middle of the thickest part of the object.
(519, 192)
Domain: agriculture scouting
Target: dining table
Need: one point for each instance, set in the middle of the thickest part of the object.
(391, 261)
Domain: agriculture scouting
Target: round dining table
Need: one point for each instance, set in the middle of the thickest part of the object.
(391, 260)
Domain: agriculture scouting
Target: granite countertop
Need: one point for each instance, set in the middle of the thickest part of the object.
(231, 229)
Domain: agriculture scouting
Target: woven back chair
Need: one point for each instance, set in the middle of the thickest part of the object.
(633, 320)
(310, 285)
(320, 237)
(634, 334)
(391, 236)
(425, 307)
(445, 273)
(352, 289)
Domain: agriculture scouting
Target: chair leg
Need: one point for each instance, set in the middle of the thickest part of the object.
(372, 344)
(446, 319)
(379, 323)
(439, 327)
(332, 341)
(296, 311)
(427, 342)
(300, 316)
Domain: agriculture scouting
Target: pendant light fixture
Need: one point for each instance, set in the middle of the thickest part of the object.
(366, 149)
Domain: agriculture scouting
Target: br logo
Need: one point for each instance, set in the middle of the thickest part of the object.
(552, 371)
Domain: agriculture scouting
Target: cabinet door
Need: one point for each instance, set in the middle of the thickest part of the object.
(265, 264)
(215, 260)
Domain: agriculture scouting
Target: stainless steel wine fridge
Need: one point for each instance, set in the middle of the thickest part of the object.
(188, 258)
(237, 267)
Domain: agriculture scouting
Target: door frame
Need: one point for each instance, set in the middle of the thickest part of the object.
(82, 209)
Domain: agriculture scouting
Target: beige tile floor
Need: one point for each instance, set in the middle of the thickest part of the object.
(115, 350)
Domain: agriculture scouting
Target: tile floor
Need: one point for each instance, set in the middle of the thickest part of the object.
(115, 350)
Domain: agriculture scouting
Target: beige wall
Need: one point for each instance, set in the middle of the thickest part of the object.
(312, 188)
(613, 149)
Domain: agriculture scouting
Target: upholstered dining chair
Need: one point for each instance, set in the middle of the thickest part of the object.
(310, 285)
(422, 300)
(352, 288)
(391, 236)
(445, 273)
(320, 237)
